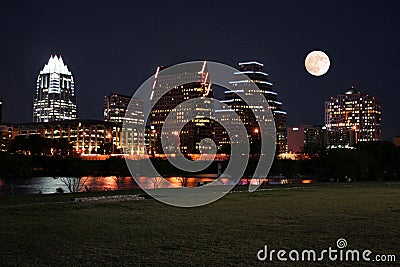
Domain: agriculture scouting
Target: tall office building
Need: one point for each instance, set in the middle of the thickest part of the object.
(254, 70)
(197, 129)
(55, 98)
(354, 115)
(306, 138)
(115, 106)
(222, 139)
(133, 135)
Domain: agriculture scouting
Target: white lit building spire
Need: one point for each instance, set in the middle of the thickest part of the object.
(55, 98)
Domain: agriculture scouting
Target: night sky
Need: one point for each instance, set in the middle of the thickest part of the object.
(113, 46)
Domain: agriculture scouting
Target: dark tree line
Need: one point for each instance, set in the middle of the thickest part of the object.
(35, 145)
(368, 161)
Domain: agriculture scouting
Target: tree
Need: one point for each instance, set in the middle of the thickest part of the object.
(119, 181)
(116, 167)
(383, 160)
(183, 181)
(13, 166)
(340, 163)
(287, 167)
(73, 173)
(315, 150)
(156, 180)
(33, 145)
(61, 147)
(74, 184)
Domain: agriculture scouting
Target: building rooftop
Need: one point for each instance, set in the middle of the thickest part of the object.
(351, 91)
(55, 65)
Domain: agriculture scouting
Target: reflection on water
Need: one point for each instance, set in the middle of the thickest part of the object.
(49, 185)
(175, 182)
(109, 183)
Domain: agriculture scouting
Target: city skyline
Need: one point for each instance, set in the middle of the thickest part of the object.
(209, 133)
(55, 66)
(116, 47)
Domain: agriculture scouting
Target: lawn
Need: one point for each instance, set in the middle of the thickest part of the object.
(228, 232)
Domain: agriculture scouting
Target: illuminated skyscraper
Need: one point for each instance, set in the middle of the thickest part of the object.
(115, 106)
(55, 98)
(222, 139)
(353, 114)
(197, 129)
(254, 70)
(115, 110)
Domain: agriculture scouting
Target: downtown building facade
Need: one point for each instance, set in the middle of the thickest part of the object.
(352, 117)
(192, 82)
(306, 138)
(222, 114)
(128, 113)
(115, 106)
(254, 70)
(55, 115)
(6, 135)
(84, 136)
(54, 98)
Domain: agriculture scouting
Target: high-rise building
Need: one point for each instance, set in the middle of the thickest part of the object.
(354, 117)
(305, 138)
(198, 128)
(116, 110)
(222, 139)
(296, 138)
(115, 106)
(254, 70)
(316, 138)
(55, 98)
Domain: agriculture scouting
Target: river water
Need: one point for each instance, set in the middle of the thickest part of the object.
(49, 185)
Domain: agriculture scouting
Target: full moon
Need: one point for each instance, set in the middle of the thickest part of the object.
(317, 63)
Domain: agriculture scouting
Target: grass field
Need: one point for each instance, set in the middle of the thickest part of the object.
(228, 232)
